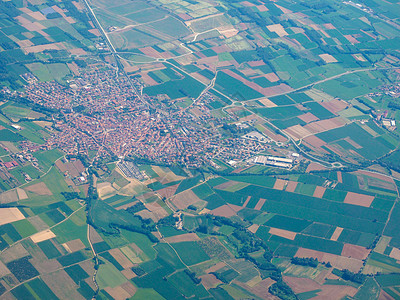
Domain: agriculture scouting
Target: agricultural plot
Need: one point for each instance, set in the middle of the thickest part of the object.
(41, 32)
(349, 86)
(175, 89)
(129, 23)
(330, 224)
(18, 112)
(368, 146)
(56, 71)
(234, 88)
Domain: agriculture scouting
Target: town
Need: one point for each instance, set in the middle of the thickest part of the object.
(100, 113)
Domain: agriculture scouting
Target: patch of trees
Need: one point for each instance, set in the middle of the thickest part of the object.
(249, 243)
(8, 44)
(362, 109)
(247, 15)
(133, 228)
(183, 92)
(79, 108)
(219, 277)
(282, 290)
(3, 205)
(192, 207)
(138, 270)
(306, 261)
(374, 242)
(391, 161)
(245, 241)
(313, 35)
(350, 276)
(354, 277)
(168, 221)
(2, 289)
(319, 5)
(292, 53)
(250, 37)
(225, 276)
(203, 228)
(70, 195)
(219, 221)
(266, 54)
(74, 12)
(53, 15)
(235, 130)
(192, 276)
(264, 263)
(80, 63)
(9, 9)
(394, 105)
(136, 208)
(91, 196)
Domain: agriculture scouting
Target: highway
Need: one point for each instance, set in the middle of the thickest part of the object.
(210, 86)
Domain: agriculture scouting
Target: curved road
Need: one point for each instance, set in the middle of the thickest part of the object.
(210, 86)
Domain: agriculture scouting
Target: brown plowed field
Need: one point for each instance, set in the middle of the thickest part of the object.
(223, 211)
(359, 199)
(280, 184)
(328, 292)
(355, 251)
(335, 105)
(319, 192)
(308, 117)
(336, 233)
(337, 261)
(291, 186)
(315, 167)
(290, 235)
(39, 188)
(187, 237)
(184, 199)
(260, 204)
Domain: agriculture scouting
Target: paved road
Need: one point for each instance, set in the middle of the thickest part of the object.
(211, 87)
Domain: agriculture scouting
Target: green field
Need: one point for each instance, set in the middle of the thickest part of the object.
(283, 112)
(234, 88)
(47, 158)
(68, 231)
(49, 72)
(108, 275)
(186, 87)
(190, 252)
(9, 136)
(24, 228)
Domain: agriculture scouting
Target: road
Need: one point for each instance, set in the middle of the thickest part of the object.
(321, 81)
(98, 25)
(9, 246)
(210, 86)
(117, 57)
(389, 216)
(96, 262)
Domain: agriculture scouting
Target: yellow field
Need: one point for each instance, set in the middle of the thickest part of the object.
(10, 214)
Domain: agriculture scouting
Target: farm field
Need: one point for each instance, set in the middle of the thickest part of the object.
(340, 223)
